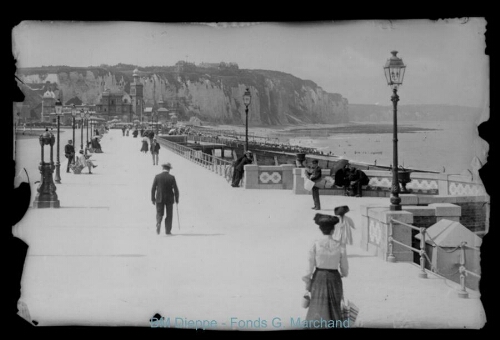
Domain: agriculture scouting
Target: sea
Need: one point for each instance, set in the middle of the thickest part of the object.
(450, 147)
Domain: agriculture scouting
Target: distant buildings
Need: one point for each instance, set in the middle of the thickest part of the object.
(114, 103)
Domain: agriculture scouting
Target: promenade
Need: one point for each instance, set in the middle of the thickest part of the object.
(236, 257)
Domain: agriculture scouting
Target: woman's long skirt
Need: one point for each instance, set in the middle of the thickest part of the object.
(144, 147)
(326, 295)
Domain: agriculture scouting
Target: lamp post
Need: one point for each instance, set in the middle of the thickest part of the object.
(58, 107)
(73, 114)
(46, 196)
(91, 127)
(394, 70)
(82, 116)
(157, 123)
(247, 98)
(87, 116)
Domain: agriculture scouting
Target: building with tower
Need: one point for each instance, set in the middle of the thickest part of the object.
(48, 105)
(114, 103)
(137, 94)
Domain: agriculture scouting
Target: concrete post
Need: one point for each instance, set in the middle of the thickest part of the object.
(376, 233)
(287, 177)
(251, 176)
(298, 182)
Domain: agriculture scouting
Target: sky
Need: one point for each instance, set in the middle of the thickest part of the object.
(446, 60)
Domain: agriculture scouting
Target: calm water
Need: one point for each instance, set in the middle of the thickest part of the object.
(451, 148)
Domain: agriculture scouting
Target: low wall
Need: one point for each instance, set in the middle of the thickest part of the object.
(269, 176)
(373, 230)
(381, 181)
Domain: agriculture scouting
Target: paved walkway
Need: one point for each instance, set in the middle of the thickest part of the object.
(237, 256)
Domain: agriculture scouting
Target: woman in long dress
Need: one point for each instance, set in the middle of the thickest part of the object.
(343, 229)
(327, 265)
(145, 144)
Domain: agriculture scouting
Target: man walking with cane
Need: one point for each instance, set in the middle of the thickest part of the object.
(164, 193)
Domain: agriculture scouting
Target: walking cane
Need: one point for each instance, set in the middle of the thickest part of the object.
(178, 222)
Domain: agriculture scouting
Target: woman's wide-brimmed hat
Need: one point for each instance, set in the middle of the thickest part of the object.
(344, 209)
(325, 220)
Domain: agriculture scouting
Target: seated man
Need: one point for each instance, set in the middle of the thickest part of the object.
(96, 146)
(342, 178)
(83, 161)
(357, 179)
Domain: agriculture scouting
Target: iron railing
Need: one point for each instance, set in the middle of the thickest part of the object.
(423, 255)
(217, 165)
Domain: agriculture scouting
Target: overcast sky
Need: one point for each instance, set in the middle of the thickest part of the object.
(446, 61)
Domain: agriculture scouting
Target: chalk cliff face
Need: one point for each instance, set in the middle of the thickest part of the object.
(213, 95)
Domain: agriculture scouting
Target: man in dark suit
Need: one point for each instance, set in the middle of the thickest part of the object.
(69, 152)
(315, 175)
(239, 168)
(357, 179)
(155, 149)
(163, 194)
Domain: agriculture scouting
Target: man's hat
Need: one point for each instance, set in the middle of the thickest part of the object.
(167, 165)
(315, 161)
(344, 209)
(81, 151)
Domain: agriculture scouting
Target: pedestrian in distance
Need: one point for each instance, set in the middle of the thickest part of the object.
(69, 152)
(239, 168)
(164, 193)
(123, 130)
(155, 150)
(343, 229)
(151, 135)
(145, 145)
(327, 264)
(314, 174)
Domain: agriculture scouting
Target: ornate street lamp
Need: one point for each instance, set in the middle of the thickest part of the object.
(58, 107)
(87, 116)
(157, 113)
(46, 196)
(394, 72)
(247, 98)
(82, 116)
(73, 114)
(91, 127)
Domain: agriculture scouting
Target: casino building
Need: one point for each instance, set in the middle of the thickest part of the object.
(121, 105)
(114, 103)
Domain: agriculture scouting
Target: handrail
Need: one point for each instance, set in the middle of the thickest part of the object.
(406, 224)
(421, 251)
(215, 164)
(423, 232)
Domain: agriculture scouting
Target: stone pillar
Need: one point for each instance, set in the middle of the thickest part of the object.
(376, 230)
(298, 182)
(287, 177)
(251, 176)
